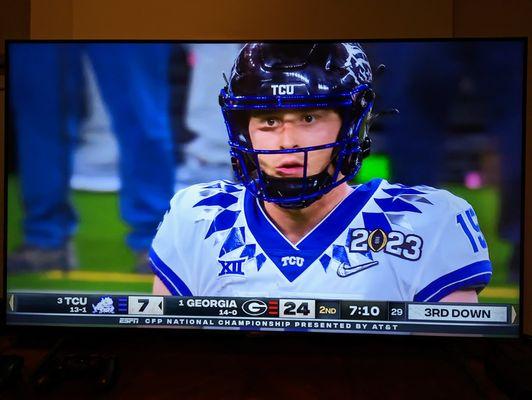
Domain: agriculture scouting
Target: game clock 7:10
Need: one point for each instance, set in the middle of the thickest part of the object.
(363, 311)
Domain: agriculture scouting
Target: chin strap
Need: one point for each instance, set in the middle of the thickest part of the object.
(293, 187)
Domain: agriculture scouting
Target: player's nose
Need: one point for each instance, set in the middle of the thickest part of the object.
(288, 138)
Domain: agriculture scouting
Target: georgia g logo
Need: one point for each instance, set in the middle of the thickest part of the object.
(254, 307)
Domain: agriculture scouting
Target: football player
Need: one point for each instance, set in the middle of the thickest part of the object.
(298, 117)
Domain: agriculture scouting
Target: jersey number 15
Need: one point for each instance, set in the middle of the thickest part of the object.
(475, 237)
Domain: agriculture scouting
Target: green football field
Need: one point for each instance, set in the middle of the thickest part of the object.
(107, 265)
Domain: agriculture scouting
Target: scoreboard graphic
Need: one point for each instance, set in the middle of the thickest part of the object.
(262, 314)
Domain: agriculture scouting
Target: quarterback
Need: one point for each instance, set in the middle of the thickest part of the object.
(298, 116)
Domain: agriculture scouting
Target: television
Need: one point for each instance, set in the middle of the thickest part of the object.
(359, 187)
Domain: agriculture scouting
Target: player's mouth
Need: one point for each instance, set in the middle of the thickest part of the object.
(290, 168)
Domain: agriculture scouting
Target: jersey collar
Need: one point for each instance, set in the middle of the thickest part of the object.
(293, 260)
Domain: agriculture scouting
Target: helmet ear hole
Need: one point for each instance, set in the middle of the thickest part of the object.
(236, 167)
(349, 164)
(365, 147)
(369, 95)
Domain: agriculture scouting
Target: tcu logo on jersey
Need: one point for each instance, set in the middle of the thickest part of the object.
(283, 89)
(292, 260)
(231, 267)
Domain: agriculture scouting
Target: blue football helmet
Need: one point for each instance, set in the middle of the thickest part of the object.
(274, 76)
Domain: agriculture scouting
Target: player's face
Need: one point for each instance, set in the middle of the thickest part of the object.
(278, 130)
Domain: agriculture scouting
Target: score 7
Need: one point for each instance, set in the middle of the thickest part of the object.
(148, 305)
(144, 303)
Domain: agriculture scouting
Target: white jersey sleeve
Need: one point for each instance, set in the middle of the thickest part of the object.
(186, 250)
(165, 256)
(456, 252)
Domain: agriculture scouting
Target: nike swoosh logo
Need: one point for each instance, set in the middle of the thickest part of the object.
(344, 270)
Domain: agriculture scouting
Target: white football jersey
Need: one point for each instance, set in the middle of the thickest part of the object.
(382, 242)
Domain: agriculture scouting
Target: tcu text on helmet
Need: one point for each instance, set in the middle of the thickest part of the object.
(283, 89)
(292, 260)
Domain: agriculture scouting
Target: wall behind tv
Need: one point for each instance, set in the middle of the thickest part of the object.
(301, 19)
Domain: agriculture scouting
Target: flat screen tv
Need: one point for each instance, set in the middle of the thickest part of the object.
(358, 187)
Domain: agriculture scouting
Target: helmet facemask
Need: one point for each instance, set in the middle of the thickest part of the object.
(299, 192)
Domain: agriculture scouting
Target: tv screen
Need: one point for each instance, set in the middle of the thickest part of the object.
(349, 187)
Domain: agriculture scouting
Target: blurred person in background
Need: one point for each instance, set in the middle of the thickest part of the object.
(460, 101)
(205, 156)
(45, 88)
(419, 87)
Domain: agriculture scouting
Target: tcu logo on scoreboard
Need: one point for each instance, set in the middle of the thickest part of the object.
(283, 89)
(233, 267)
(292, 260)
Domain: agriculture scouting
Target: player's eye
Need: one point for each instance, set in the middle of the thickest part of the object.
(308, 118)
(269, 122)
